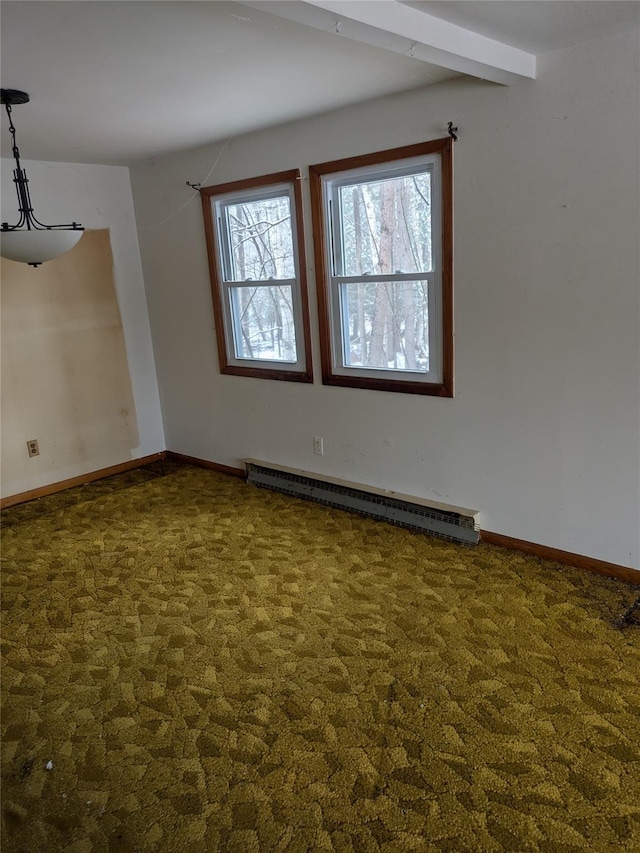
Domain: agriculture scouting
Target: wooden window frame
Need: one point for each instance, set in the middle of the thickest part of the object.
(317, 173)
(273, 370)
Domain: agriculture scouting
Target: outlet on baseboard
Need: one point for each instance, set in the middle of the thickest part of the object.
(32, 447)
(318, 446)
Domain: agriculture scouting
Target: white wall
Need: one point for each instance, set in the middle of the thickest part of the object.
(543, 436)
(100, 198)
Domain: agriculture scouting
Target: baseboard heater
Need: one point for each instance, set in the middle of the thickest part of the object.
(442, 520)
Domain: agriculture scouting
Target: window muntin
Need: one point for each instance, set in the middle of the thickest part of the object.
(381, 258)
(258, 277)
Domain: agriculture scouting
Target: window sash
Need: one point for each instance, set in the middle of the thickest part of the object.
(221, 212)
(233, 329)
(340, 326)
(375, 174)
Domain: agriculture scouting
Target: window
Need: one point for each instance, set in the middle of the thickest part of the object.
(382, 227)
(258, 277)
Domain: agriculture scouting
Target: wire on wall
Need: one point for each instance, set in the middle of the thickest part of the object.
(195, 186)
(453, 133)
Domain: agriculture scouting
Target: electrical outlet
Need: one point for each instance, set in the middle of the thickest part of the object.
(318, 446)
(32, 447)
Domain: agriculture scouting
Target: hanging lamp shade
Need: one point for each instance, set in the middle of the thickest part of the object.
(35, 247)
(30, 241)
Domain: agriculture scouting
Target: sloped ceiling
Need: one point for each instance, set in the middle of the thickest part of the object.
(114, 81)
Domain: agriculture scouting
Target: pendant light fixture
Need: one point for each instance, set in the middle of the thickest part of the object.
(29, 241)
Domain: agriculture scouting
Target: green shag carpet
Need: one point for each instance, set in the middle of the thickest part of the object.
(207, 666)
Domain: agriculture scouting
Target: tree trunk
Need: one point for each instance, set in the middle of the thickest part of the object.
(381, 310)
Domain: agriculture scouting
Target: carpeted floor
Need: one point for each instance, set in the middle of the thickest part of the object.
(206, 666)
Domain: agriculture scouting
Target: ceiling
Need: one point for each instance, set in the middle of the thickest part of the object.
(538, 26)
(113, 81)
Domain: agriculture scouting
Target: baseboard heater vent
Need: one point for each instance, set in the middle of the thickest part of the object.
(452, 523)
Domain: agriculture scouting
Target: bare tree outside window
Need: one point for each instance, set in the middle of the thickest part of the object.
(261, 239)
(263, 322)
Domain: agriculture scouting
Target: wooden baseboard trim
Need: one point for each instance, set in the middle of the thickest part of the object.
(205, 463)
(567, 558)
(82, 480)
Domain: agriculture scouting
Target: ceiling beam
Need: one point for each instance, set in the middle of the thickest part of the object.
(391, 25)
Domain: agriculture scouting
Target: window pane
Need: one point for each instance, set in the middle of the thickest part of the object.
(386, 226)
(386, 325)
(263, 322)
(260, 238)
